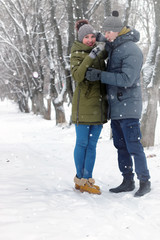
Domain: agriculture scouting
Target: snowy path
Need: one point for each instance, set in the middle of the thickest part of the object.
(37, 198)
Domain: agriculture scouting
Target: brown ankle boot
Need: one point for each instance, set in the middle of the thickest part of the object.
(87, 187)
(92, 182)
(78, 182)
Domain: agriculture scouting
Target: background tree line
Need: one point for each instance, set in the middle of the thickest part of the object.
(35, 42)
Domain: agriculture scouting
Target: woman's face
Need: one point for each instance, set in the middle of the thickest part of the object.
(89, 40)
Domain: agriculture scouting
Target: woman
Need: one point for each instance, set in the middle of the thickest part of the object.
(89, 107)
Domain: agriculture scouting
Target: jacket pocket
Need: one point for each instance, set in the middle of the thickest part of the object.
(88, 90)
(133, 132)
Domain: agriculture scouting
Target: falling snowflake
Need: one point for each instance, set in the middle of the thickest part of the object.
(112, 97)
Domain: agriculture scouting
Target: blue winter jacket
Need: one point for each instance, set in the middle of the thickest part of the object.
(123, 77)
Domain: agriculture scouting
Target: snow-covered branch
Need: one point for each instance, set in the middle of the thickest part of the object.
(4, 41)
(18, 24)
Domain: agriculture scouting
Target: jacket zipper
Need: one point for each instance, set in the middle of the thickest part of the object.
(101, 97)
(78, 100)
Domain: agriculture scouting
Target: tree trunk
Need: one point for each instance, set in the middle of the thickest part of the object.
(127, 12)
(107, 8)
(71, 38)
(38, 103)
(149, 119)
(47, 113)
(60, 113)
(23, 105)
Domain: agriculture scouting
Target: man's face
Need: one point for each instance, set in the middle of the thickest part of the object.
(111, 36)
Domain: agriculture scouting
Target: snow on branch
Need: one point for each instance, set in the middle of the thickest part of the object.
(5, 63)
(18, 11)
(94, 6)
(12, 17)
(15, 48)
(148, 67)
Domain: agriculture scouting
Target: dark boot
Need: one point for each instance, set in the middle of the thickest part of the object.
(126, 186)
(144, 188)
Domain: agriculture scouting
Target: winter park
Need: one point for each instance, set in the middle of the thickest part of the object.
(37, 196)
(66, 67)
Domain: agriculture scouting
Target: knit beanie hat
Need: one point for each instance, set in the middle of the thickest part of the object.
(85, 30)
(113, 23)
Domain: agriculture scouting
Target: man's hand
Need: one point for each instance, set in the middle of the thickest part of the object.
(93, 74)
(100, 37)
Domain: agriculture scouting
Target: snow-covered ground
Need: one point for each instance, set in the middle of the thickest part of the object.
(37, 196)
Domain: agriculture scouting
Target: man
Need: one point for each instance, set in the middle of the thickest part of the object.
(125, 102)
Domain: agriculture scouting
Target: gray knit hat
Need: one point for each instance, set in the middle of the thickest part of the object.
(113, 23)
(85, 30)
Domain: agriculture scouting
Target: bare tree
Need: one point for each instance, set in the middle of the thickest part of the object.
(151, 76)
(107, 8)
(127, 12)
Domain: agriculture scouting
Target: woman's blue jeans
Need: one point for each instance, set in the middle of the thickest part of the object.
(85, 149)
(126, 138)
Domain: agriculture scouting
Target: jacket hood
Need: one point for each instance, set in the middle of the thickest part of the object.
(132, 35)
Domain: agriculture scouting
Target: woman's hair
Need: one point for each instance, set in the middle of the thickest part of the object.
(80, 23)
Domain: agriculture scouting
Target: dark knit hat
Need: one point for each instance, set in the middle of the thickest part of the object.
(85, 30)
(113, 23)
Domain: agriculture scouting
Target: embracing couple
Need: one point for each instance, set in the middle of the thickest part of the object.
(108, 91)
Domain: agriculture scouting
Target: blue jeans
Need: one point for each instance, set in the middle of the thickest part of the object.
(85, 149)
(126, 138)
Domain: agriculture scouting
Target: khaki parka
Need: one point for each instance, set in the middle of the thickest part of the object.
(89, 105)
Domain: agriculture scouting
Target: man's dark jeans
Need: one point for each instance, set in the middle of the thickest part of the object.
(126, 138)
